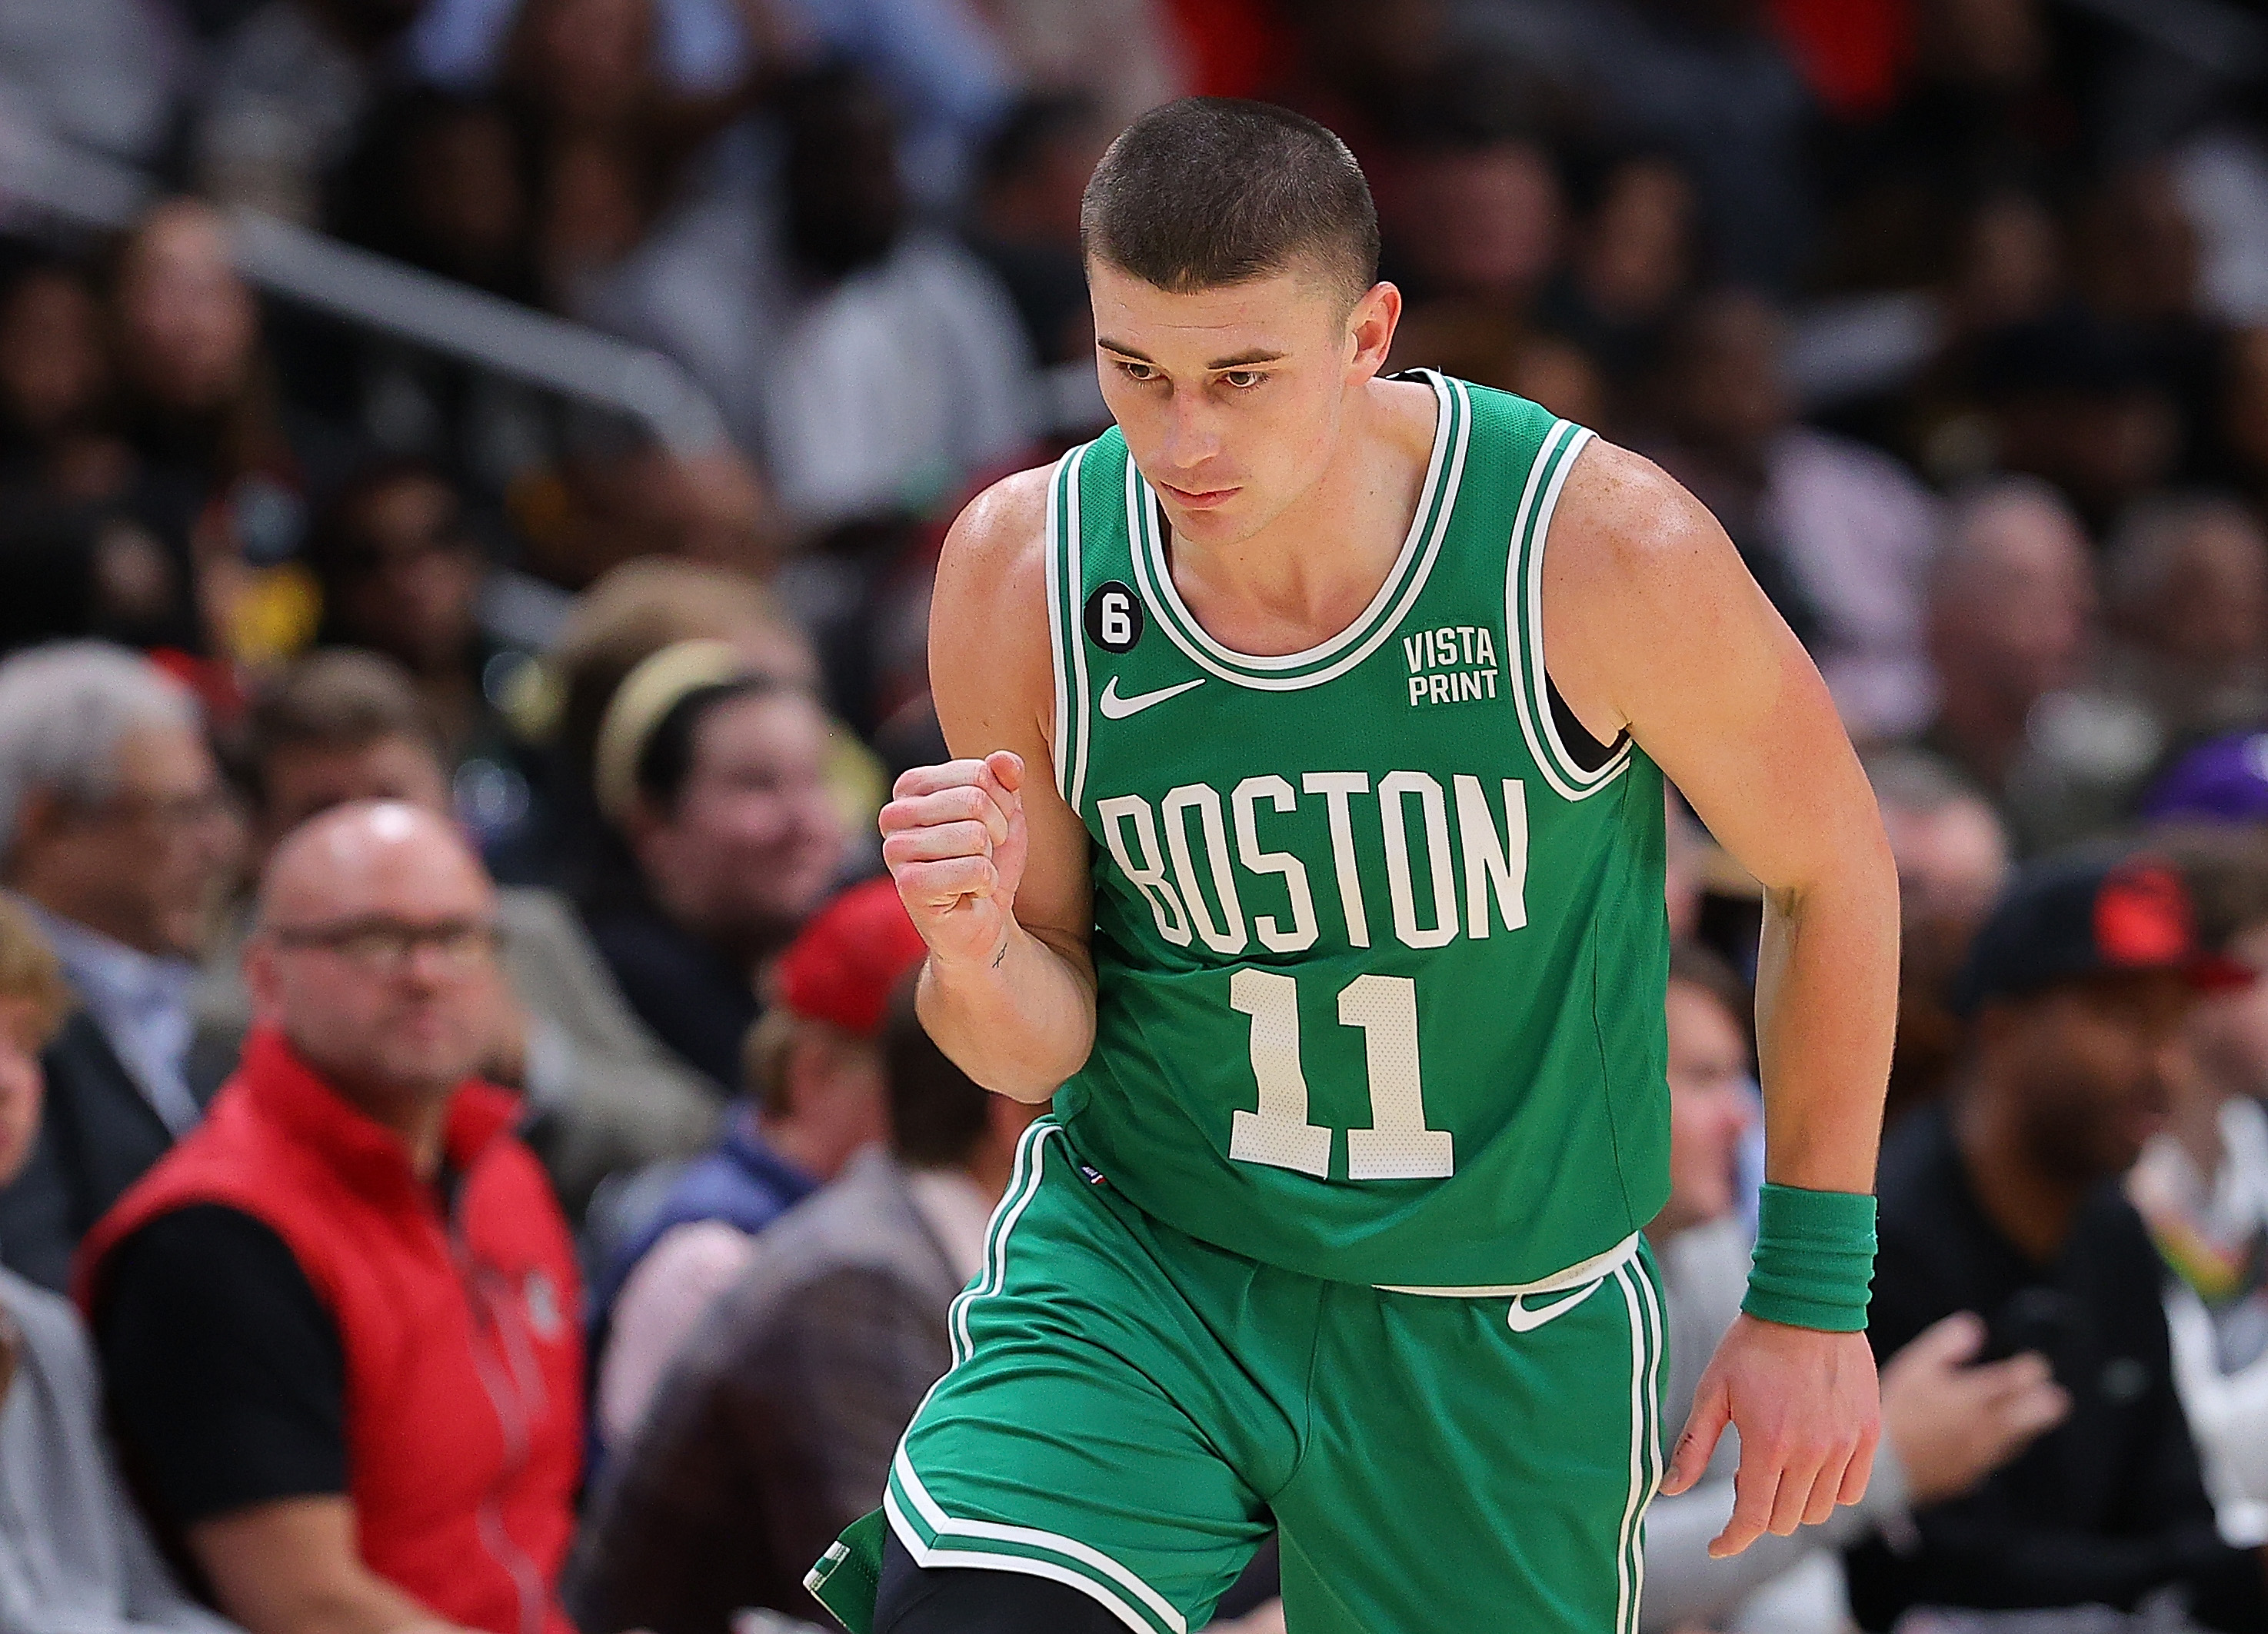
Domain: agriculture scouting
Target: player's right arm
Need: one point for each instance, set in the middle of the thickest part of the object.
(988, 859)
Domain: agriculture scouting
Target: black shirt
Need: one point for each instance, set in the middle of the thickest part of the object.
(2107, 1506)
(695, 999)
(225, 1372)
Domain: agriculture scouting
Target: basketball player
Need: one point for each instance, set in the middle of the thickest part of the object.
(1308, 835)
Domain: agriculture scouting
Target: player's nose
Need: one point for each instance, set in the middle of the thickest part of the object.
(1192, 440)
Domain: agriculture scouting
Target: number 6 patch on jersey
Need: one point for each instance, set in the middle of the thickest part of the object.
(1113, 617)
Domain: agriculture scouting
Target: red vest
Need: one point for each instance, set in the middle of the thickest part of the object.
(464, 1367)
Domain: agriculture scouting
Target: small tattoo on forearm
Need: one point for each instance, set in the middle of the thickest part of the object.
(997, 957)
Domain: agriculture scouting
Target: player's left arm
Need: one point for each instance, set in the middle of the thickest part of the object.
(1653, 624)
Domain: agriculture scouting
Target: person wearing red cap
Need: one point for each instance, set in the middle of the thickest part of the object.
(814, 1077)
(2006, 1202)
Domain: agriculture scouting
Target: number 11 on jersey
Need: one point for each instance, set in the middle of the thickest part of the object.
(1397, 1145)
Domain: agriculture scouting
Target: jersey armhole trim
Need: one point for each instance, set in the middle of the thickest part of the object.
(1065, 630)
(1523, 610)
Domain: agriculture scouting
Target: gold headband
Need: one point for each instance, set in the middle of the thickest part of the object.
(648, 693)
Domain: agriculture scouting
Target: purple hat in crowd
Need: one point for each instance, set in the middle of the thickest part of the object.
(2223, 781)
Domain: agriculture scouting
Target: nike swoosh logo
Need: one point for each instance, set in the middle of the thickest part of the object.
(1525, 1318)
(1117, 708)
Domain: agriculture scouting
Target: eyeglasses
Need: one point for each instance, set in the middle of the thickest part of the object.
(384, 946)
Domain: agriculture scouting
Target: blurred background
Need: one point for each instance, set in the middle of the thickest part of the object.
(506, 344)
(401, 323)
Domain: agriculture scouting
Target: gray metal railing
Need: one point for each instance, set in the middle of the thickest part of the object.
(42, 176)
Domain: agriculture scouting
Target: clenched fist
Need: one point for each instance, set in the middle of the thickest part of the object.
(955, 839)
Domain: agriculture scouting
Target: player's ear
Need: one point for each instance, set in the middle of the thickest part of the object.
(1371, 323)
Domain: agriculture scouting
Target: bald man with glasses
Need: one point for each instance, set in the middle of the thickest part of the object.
(340, 1319)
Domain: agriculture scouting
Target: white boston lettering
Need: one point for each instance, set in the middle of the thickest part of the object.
(1393, 789)
(1227, 936)
(1218, 846)
(1148, 875)
(1272, 936)
(1336, 787)
(1488, 867)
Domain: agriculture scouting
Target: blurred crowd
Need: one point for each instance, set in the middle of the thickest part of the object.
(469, 1159)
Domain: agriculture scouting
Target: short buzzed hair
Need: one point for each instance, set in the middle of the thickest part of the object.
(1212, 191)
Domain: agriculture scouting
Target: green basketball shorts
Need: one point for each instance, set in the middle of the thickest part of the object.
(1131, 1411)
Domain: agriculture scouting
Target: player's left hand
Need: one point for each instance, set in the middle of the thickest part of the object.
(1808, 1413)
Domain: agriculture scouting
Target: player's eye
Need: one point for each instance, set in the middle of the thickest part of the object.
(1141, 372)
(1243, 380)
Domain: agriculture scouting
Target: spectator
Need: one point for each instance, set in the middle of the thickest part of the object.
(1120, 57)
(627, 616)
(1946, 1423)
(874, 364)
(2139, 260)
(1501, 186)
(115, 831)
(2185, 657)
(401, 574)
(2186, 594)
(286, 90)
(943, 67)
(2243, 421)
(1708, 83)
(1023, 219)
(611, 139)
(73, 1553)
(604, 509)
(814, 1102)
(781, 1416)
(55, 387)
(603, 1095)
(2202, 1184)
(1952, 859)
(2004, 1204)
(440, 181)
(1838, 534)
(339, 1323)
(2011, 611)
(1633, 255)
(711, 777)
(901, 370)
(225, 464)
(2080, 401)
(74, 570)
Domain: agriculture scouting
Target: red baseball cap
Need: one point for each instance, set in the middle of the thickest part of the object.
(2066, 918)
(848, 958)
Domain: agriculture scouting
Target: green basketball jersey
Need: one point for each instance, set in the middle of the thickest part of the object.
(1379, 964)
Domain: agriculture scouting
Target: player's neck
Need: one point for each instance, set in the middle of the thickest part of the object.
(1310, 572)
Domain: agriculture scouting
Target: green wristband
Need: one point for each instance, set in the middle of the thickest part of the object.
(1815, 1259)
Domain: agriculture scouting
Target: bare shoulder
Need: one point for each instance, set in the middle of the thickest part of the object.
(1622, 517)
(1643, 595)
(995, 553)
(990, 671)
